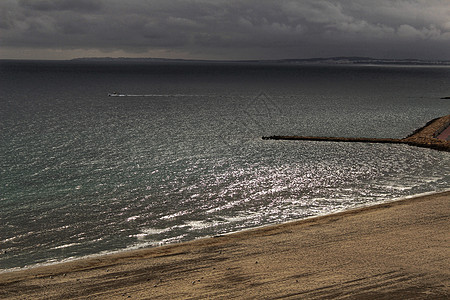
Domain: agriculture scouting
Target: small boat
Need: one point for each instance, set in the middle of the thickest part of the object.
(115, 94)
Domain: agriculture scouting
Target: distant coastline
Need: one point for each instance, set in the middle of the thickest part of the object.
(317, 60)
(340, 60)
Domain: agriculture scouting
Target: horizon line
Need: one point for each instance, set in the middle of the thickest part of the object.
(349, 59)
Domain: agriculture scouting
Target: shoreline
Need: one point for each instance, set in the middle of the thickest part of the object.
(169, 268)
(143, 248)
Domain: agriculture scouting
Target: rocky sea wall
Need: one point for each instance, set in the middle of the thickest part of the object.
(425, 136)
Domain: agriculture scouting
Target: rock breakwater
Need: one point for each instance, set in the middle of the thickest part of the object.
(425, 136)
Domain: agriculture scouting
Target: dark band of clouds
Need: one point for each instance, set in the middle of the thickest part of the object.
(252, 29)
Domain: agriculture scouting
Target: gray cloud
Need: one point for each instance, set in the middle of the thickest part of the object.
(61, 5)
(228, 29)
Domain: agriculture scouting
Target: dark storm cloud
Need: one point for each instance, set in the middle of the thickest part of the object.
(232, 29)
(72, 5)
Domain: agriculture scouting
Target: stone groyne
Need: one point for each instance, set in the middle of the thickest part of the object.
(425, 136)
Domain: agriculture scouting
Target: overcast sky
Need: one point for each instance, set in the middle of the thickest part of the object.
(228, 29)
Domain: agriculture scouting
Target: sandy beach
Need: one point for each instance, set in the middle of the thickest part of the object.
(394, 250)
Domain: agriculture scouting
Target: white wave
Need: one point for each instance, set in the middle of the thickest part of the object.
(64, 246)
(150, 231)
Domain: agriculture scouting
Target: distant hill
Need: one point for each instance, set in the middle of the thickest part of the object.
(319, 60)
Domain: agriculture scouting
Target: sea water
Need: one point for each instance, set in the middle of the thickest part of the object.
(179, 154)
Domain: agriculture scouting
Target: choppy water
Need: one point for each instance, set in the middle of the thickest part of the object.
(180, 155)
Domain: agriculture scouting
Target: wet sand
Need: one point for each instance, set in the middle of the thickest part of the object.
(397, 250)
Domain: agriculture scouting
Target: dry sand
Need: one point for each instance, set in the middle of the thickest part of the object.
(398, 250)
